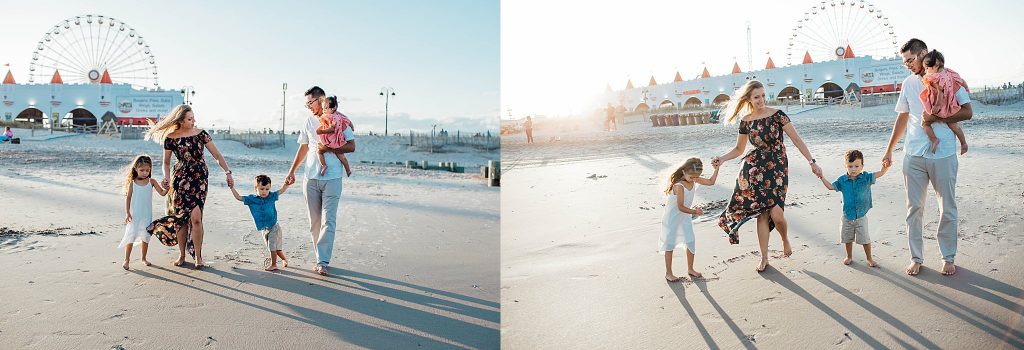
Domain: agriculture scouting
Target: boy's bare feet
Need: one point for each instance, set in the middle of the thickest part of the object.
(948, 268)
(671, 278)
(125, 265)
(847, 261)
(146, 262)
(763, 265)
(272, 267)
(914, 268)
(695, 274)
(284, 263)
(872, 263)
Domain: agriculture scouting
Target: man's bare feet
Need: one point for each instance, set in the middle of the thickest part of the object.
(671, 278)
(695, 274)
(847, 261)
(272, 267)
(125, 265)
(763, 265)
(180, 261)
(146, 262)
(872, 263)
(786, 249)
(322, 270)
(948, 268)
(913, 268)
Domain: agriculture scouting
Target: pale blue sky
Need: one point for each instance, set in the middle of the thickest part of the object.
(442, 57)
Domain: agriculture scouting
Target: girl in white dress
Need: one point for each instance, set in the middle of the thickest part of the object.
(677, 230)
(138, 206)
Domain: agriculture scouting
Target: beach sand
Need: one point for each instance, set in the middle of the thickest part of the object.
(415, 257)
(581, 219)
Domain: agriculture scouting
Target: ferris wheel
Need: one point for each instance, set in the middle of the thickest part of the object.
(828, 29)
(85, 48)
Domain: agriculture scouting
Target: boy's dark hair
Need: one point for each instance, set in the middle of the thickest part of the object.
(853, 155)
(915, 45)
(262, 180)
(332, 101)
(934, 58)
(315, 92)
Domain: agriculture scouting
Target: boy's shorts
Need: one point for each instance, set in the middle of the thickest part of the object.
(272, 237)
(856, 231)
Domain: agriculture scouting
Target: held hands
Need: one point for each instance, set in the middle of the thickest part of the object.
(716, 162)
(128, 218)
(698, 212)
(887, 160)
(290, 179)
(816, 170)
(165, 182)
(231, 181)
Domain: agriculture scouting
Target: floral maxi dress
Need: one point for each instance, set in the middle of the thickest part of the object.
(188, 189)
(764, 180)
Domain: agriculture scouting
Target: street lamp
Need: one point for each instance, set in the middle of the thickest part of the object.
(284, 99)
(186, 91)
(387, 92)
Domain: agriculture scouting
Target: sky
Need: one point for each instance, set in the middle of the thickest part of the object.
(441, 57)
(558, 55)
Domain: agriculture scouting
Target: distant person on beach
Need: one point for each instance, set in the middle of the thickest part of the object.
(677, 223)
(138, 206)
(8, 135)
(263, 208)
(939, 94)
(610, 123)
(321, 189)
(183, 224)
(528, 126)
(921, 166)
(762, 183)
(856, 189)
(332, 132)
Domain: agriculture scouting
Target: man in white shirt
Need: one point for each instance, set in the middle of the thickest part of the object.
(921, 167)
(322, 192)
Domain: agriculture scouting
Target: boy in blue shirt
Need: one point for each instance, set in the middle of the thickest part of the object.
(264, 214)
(856, 189)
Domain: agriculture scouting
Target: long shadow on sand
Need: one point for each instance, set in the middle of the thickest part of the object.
(439, 330)
(774, 275)
(702, 285)
(1013, 337)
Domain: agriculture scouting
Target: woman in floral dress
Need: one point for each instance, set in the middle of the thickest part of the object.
(761, 186)
(183, 224)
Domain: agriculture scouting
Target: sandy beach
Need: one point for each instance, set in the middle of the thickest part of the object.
(415, 257)
(581, 219)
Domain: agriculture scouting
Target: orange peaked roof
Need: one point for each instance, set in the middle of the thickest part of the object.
(848, 53)
(9, 79)
(652, 83)
(106, 78)
(629, 84)
(736, 68)
(56, 78)
(678, 78)
(705, 74)
(770, 64)
(807, 58)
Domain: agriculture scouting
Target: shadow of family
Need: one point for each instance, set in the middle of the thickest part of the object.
(388, 312)
(965, 282)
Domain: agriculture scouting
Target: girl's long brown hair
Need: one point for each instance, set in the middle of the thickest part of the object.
(690, 166)
(130, 173)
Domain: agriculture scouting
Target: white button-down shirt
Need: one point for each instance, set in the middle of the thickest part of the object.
(917, 143)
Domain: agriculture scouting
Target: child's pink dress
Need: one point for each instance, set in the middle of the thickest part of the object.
(949, 82)
(337, 138)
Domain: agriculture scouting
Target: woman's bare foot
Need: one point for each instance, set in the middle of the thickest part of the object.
(786, 249)
(695, 274)
(872, 263)
(671, 278)
(272, 267)
(914, 268)
(948, 268)
(848, 260)
(763, 265)
(146, 262)
(180, 261)
(199, 264)
(125, 265)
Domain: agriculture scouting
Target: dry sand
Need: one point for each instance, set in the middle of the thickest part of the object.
(415, 258)
(580, 269)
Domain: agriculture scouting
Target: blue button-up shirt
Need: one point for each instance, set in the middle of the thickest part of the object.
(264, 211)
(856, 194)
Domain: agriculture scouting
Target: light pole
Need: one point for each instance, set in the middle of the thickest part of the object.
(186, 92)
(284, 99)
(387, 92)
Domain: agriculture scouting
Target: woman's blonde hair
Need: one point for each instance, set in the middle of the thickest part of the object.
(130, 173)
(739, 105)
(169, 124)
(693, 166)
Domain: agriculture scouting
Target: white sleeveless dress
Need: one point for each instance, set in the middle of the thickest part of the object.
(677, 226)
(142, 215)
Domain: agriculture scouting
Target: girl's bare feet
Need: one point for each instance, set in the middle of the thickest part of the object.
(913, 268)
(872, 263)
(694, 273)
(125, 265)
(848, 260)
(146, 262)
(763, 265)
(671, 278)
